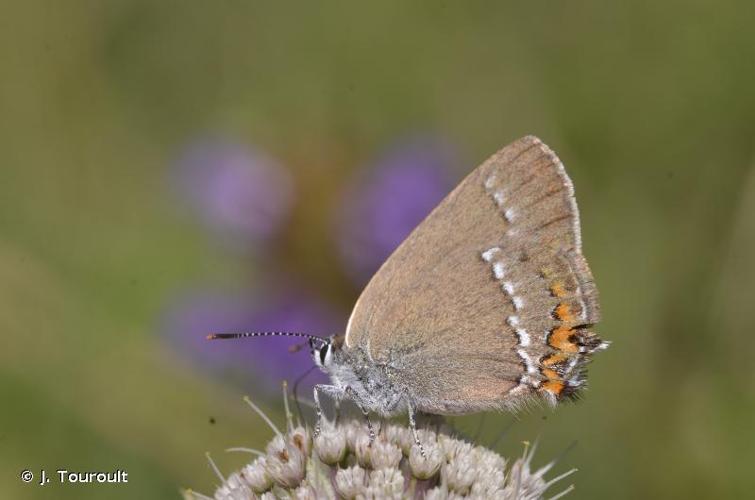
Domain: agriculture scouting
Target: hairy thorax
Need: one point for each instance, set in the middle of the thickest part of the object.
(367, 383)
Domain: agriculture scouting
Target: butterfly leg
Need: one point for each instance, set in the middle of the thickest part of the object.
(337, 404)
(364, 411)
(369, 424)
(331, 390)
(413, 425)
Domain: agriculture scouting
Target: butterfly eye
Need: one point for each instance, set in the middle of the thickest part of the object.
(324, 351)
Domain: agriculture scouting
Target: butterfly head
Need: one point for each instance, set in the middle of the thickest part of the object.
(325, 351)
(321, 351)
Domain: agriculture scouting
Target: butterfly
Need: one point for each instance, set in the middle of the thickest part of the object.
(487, 305)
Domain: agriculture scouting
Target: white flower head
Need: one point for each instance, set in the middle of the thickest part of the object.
(342, 463)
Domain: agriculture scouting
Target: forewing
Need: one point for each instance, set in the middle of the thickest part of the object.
(489, 299)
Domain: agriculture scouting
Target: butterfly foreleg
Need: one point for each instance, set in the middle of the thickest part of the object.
(363, 409)
(335, 392)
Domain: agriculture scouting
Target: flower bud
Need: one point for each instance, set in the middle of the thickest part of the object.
(351, 482)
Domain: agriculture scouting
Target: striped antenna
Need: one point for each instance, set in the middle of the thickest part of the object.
(240, 335)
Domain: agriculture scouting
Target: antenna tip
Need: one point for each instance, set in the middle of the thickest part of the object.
(212, 336)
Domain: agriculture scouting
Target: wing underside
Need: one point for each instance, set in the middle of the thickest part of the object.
(490, 298)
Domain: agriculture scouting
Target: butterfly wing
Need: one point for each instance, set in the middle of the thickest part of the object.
(489, 299)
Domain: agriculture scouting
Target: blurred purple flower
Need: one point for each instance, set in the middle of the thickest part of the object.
(260, 363)
(241, 194)
(386, 202)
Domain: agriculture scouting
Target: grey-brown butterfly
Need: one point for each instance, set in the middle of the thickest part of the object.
(486, 305)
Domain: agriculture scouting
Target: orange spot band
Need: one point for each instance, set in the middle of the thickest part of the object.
(557, 289)
(560, 338)
(553, 386)
(554, 359)
(564, 313)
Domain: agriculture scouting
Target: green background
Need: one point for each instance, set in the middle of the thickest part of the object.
(649, 104)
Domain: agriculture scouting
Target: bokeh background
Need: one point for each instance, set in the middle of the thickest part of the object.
(175, 167)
